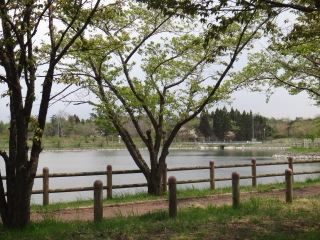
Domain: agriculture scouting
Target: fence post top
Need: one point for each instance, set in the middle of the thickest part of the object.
(235, 175)
(45, 170)
(253, 160)
(290, 158)
(288, 171)
(172, 180)
(98, 184)
(211, 162)
(109, 167)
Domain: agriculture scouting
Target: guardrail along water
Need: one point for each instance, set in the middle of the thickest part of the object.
(213, 169)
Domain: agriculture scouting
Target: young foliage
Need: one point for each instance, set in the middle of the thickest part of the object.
(290, 61)
(144, 66)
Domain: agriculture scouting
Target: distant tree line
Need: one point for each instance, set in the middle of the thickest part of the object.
(219, 125)
(69, 125)
(224, 125)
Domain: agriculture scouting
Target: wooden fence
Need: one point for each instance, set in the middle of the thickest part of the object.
(212, 168)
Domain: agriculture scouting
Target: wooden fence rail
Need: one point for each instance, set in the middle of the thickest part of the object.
(211, 179)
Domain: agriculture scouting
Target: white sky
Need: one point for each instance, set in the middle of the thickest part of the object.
(281, 105)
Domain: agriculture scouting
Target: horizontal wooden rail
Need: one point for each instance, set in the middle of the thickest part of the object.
(306, 172)
(60, 190)
(271, 163)
(270, 175)
(130, 185)
(80, 189)
(229, 178)
(193, 181)
(233, 165)
(187, 168)
(126, 171)
(77, 174)
(286, 162)
(109, 173)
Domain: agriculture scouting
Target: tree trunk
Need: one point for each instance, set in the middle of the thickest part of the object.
(15, 211)
(20, 65)
(154, 185)
(20, 204)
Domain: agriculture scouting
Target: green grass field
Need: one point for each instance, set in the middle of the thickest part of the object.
(257, 218)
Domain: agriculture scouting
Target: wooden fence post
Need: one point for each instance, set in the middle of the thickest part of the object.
(235, 189)
(254, 172)
(289, 187)
(164, 178)
(212, 180)
(109, 181)
(98, 200)
(45, 186)
(291, 166)
(172, 197)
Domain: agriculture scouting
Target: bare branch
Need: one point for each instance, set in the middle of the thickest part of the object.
(64, 96)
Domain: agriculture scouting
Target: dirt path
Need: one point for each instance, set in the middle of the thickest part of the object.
(139, 208)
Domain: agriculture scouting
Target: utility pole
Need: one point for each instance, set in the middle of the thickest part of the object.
(252, 128)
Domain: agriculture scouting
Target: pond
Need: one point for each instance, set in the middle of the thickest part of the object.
(87, 161)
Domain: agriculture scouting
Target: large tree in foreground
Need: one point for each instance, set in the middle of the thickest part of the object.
(205, 8)
(23, 24)
(176, 77)
(291, 60)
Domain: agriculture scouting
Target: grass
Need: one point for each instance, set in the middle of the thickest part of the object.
(303, 150)
(257, 218)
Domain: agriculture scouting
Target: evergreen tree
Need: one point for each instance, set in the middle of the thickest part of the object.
(245, 128)
(204, 125)
(260, 124)
(221, 123)
(232, 114)
(234, 128)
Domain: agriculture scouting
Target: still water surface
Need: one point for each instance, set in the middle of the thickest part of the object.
(86, 161)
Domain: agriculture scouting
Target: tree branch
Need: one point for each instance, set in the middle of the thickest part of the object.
(5, 157)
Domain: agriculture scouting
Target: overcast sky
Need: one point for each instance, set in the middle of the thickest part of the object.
(281, 105)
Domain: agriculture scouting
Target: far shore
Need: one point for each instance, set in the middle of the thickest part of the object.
(172, 148)
(281, 155)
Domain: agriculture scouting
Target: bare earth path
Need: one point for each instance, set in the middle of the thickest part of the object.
(139, 208)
